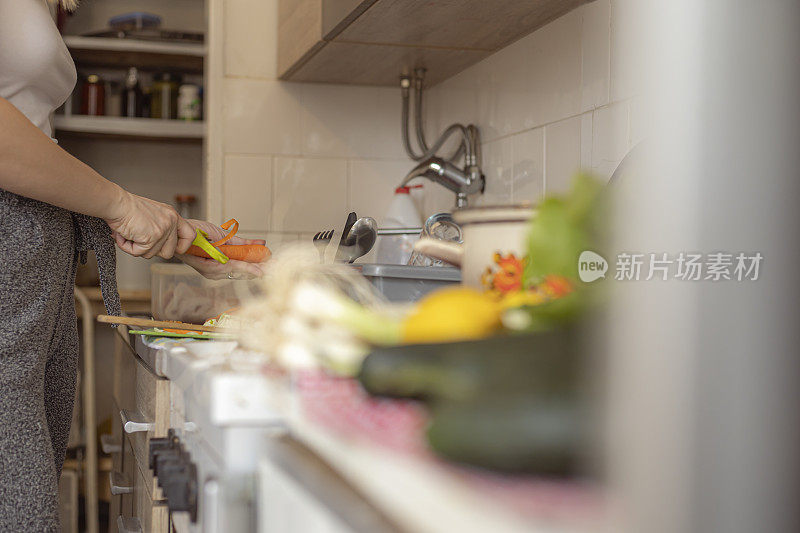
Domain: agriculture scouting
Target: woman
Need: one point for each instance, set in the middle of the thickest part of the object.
(52, 209)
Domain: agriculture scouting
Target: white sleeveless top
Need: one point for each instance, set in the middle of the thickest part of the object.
(36, 71)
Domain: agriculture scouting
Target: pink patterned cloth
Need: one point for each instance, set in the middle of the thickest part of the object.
(342, 407)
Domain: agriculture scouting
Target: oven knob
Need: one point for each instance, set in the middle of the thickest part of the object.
(180, 489)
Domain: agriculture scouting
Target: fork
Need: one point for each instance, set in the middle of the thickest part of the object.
(321, 241)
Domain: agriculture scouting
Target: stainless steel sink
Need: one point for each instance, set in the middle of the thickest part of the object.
(402, 283)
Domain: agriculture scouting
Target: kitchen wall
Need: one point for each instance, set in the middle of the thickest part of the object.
(559, 100)
(291, 159)
(287, 159)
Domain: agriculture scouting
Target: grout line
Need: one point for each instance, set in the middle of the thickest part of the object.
(553, 122)
(401, 159)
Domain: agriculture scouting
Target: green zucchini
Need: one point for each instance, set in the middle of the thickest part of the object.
(512, 434)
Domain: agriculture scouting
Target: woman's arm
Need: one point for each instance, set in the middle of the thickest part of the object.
(32, 165)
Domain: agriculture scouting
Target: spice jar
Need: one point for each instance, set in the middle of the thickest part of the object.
(164, 96)
(189, 102)
(94, 96)
(184, 204)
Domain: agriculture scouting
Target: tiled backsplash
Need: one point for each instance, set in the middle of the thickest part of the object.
(297, 157)
(544, 106)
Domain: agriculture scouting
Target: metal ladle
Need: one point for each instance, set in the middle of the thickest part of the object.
(359, 241)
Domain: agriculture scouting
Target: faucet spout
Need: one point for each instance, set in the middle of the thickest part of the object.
(447, 175)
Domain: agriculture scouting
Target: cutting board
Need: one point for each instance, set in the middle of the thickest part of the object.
(149, 323)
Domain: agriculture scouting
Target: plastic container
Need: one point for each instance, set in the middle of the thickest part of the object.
(402, 283)
(189, 104)
(180, 293)
(136, 20)
(402, 213)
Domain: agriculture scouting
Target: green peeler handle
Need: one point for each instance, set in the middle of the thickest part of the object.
(201, 241)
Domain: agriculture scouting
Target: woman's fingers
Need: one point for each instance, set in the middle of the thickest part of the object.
(147, 228)
(244, 270)
(232, 269)
(186, 234)
(168, 248)
(240, 240)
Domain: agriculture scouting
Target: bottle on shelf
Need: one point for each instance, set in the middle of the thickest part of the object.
(164, 97)
(132, 95)
(93, 96)
(147, 93)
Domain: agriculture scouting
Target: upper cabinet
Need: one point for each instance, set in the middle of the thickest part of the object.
(372, 42)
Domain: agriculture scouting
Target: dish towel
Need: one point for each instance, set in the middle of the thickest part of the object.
(92, 233)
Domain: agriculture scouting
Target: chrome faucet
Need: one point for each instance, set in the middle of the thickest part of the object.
(443, 171)
(461, 182)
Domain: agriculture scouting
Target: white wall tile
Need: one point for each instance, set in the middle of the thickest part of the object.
(528, 166)
(610, 138)
(527, 84)
(310, 194)
(497, 167)
(247, 191)
(628, 61)
(372, 185)
(563, 154)
(351, 121)
(274, 239)
(638, 120)
(540, 82)
(251, 29)
(261, 117)
(439, 200)
(596, 45)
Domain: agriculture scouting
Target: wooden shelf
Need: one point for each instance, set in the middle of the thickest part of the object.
(124, 53)
(372, 42)
(135, 128)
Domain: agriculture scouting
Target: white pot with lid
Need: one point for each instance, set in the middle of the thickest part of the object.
(493, 253)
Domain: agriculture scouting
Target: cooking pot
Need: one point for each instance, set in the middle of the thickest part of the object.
(492, 255)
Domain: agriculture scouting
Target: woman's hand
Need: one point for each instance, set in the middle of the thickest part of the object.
(146, 228)
(214, 270)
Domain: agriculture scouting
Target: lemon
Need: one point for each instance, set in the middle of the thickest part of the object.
(452, 314)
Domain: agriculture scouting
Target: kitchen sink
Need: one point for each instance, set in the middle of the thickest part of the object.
(403, 283)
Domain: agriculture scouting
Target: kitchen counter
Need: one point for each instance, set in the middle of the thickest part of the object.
(246, 424)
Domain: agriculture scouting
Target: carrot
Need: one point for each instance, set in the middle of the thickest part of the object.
(250, 253)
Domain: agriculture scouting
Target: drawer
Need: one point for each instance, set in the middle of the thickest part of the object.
(124, 386)
(121, 481)
(148, 417)
(151, 482)
(114, 439)
(153, 516)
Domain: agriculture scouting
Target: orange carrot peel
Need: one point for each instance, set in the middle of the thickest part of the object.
(251, 253)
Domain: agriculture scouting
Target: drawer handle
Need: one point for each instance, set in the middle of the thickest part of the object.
(128, 525)
(119, 484)
(109, 445)
(133, 423)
